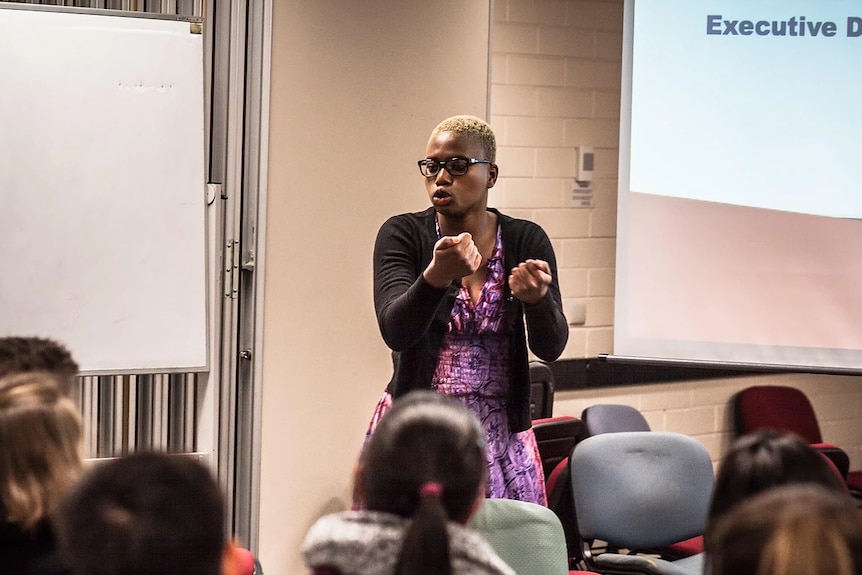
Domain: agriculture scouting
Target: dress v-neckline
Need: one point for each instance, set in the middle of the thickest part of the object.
(489, 280)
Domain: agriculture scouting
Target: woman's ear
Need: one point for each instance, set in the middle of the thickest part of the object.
(493, 172)
(236, 560)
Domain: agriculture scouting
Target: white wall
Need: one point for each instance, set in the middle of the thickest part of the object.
(356, 88)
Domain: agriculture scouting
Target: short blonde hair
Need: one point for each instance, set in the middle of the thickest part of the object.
(474, 128)
(40, 446)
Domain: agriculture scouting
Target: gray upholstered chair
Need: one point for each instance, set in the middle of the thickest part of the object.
(613, 418)
(641, 490)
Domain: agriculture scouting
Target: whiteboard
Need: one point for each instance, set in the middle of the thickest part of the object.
(102, 187)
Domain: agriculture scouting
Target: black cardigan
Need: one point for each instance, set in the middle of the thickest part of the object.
(413, 315)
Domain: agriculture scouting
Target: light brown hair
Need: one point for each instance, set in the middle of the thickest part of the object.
(40, 446)
(803, 529)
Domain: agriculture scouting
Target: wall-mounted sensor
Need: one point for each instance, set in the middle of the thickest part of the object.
(584, 169)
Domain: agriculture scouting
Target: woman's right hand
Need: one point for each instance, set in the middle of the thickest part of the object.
(454, 257)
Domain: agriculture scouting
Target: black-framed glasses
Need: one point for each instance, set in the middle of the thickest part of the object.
(455, 166)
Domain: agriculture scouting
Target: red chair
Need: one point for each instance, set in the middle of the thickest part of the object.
(788, 410)
(556, 437)
(561, 502)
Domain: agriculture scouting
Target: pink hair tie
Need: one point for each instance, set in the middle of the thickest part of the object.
(431, 489)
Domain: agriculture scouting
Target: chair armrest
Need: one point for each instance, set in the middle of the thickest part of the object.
(637, 564)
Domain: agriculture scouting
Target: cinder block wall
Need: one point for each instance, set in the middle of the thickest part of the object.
(555, 76)
(556, 85)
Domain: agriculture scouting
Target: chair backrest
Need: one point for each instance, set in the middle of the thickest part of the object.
(559, 487)
(555, 438)
(541, 390)
(830, 461)
(641, 489)
(527, 536)
(779, 407)
(613, 418)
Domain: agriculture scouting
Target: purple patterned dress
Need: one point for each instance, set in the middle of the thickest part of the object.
(474, 368)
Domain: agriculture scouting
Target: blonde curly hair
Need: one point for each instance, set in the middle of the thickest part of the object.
(474, 128)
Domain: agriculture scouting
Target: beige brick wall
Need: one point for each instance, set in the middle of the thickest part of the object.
(555, 76)
(702, 409)
(555, 86)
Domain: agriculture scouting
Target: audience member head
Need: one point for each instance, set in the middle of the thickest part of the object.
(28, 354)
(802, 529)
(40, 447)
(473, 128)
(426, 460)
(146, 514)
(765, 459)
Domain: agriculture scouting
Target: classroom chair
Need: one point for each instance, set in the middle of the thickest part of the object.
(528, 537)
(640, 490)
(613, 418)
(555, 438)
(541, 390)
(788, 409)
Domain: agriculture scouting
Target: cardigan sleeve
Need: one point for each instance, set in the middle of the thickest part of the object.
(404, 302)
(547, 328)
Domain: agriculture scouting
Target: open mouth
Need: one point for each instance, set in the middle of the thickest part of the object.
(441, 198)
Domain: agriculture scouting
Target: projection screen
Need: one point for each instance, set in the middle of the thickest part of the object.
(740, 186)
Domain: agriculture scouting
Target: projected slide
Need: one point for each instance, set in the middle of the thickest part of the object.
(739, 229)
(749, 103)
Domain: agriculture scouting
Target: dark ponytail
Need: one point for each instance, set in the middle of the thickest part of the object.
(426, 462)
(425, 550)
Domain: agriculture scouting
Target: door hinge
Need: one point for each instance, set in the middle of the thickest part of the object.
(231, 269)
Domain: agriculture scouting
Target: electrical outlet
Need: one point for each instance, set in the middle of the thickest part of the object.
(576, 313)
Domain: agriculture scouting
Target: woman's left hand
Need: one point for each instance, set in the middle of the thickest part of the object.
(530, 280)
